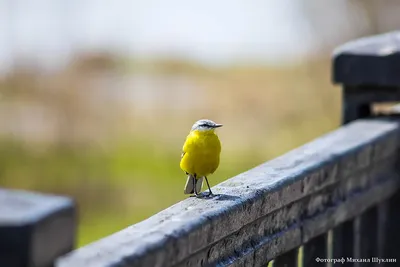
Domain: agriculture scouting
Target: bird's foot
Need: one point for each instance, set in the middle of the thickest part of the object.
(210, 194)
(203, 195)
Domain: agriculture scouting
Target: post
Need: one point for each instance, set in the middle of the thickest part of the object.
(369, 71)
(35, 229)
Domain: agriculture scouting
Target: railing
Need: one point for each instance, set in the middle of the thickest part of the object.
(333, 199)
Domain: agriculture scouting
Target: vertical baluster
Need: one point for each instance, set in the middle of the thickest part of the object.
(392, 230)
(383, 212)
(342, 242)
(289, 259)
(329, 248)
(315, 248)
(353, 108)
(365, 239)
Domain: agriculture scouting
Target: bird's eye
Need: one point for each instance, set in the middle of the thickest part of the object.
(204, 125)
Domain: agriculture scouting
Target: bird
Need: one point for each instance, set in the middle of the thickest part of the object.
(200, 156)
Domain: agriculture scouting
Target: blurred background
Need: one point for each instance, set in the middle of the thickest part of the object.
(97, 96)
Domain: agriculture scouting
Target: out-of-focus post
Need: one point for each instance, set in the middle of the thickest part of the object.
(35, 228)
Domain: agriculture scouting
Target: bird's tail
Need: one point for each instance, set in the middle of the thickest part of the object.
(192, 182)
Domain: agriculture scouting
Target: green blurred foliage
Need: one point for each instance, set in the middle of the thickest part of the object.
(120, 175)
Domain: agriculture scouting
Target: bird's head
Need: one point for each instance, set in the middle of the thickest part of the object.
(205, 125)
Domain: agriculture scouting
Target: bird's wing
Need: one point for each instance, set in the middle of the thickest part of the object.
(184, 149)
(185, 146)
(183, 154)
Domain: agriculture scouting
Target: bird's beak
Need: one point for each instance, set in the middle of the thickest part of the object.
(217, 125)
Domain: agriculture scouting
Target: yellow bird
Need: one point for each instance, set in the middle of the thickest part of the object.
(200, 156)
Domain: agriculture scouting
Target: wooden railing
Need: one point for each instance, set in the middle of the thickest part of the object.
(333, 200)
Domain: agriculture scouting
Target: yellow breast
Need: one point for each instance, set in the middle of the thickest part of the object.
(201, 153)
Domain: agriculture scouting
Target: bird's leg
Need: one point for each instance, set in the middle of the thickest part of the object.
(208, 185)
(194, 185)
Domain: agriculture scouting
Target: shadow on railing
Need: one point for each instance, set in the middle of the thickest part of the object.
(332, 200)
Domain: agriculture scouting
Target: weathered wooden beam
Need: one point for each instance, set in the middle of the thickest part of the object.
(267, 211)
(373, 60)
(35, 228)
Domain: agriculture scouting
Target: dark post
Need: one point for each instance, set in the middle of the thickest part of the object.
(314, 250)
(342, 242)
(35, 229)
(366, 235)
(369, 71)
(289, 259)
